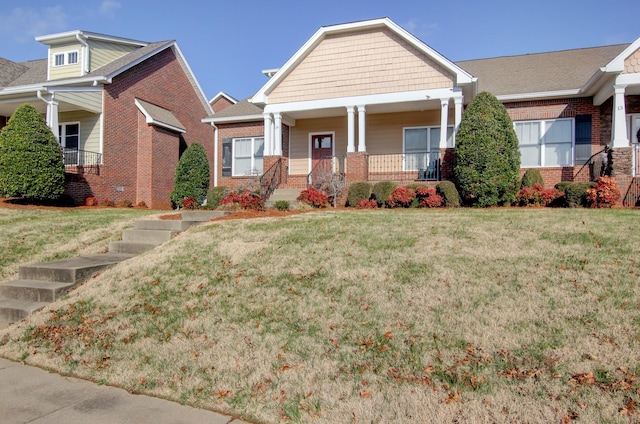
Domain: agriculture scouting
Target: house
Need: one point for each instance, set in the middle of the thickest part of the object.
(123, 111)
(369, 101)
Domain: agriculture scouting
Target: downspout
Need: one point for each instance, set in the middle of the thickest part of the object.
(85, 54)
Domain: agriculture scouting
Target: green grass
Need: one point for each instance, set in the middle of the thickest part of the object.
(501, 315)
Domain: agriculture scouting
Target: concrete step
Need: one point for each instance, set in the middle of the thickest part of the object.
(202, 216)
(147, 236)
(287, 194)
(73, 270)
(13, 310)
(130, 247)
(161, 224)
(33, 290)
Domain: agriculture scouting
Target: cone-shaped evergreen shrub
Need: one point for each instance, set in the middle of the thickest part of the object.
(532, 177)
(31, 164)
(486, 157)
(192, 175)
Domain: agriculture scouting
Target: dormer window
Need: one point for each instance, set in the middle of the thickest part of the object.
(68, 58)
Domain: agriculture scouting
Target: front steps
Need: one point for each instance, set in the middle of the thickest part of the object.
(41, 284)
(288, 194)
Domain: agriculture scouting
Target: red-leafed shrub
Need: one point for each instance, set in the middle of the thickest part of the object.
(537, 195)
(246, 200)
(605, 194)
(401, 197)
(427, 197)
(108, 203)
(314, 197)
(368, 204)
(188, 203)
(91, 201)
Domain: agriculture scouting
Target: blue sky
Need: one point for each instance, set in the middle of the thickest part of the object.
(228, 43)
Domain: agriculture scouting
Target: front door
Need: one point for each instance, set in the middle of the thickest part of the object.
(321, 153)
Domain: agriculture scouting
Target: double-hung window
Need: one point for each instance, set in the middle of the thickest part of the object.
(545, 143)
(247, 156)
(68, 58)
(422, 147)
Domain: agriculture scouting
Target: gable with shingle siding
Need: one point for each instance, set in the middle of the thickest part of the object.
(632, 63)
(374, 61)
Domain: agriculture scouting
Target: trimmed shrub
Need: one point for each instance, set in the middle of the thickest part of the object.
(192, 175)
(486, 164)
(382, 190)
(314, 197)
(427, 197)
(449, 193)
(368, 204)
(401, 197)
(575, 193)
(31, 164)
(358, 192)
(244, 200)
(605, 194)
(531, 177)
(538, 196)
(281, 205)
(215, 195)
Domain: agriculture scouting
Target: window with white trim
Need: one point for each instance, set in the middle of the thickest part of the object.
(70, 141)
(421, 146)
(247, 156)
(67, 58)
(546, 142)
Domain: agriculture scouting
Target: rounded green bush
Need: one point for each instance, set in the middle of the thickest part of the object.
(486, 164)
(531, 177)
(575, 193)
(382, 190)
(449, 193)
(358, 192)
(281, 205)
(214, 196)
(192, 175)
(31, 164)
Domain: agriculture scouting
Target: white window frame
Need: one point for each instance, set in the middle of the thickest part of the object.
(66, 58)
(62, 140)
(254, 171)
(544, 125)
(430, 143)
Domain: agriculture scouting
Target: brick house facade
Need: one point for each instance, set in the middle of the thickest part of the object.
(138, 111)
(378, 111)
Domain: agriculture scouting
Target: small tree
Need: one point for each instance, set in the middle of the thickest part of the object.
(31, 164)
(192, 175)
(486, 157)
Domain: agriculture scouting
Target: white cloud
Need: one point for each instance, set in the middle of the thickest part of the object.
(23, 24)
(420, 29)
(108, 7)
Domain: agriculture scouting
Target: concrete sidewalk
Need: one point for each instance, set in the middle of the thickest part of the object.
(31, 395)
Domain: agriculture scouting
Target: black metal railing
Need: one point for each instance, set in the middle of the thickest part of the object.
(82, 161)
(271, 179)
(403, 167)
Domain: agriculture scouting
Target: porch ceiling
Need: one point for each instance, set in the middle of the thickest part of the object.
(8, 106)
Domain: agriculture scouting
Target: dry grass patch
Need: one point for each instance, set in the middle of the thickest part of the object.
(368, 316)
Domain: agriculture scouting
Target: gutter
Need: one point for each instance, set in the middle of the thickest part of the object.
(85, 53)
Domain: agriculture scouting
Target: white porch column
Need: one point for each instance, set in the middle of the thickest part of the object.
(458, 117)
(277, 151)
(351, 129)
(52, 118)
(268, 143)
(362, 145)
(619, 124)
(444, 117)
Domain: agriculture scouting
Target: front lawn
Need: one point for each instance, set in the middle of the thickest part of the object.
(459, 315)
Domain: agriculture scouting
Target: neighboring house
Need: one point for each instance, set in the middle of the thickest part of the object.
(123, 110)
(369, 101)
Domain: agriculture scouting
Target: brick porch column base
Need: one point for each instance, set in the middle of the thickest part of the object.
(357, 167)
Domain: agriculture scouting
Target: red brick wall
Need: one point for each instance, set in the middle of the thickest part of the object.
(237, 130)
(357, 166)
(221, 103)
(159, 80)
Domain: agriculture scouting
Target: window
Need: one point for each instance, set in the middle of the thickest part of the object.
(247, 156)
(68, 58)
(70, 141)
(422, 146)
(545, 143)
